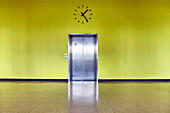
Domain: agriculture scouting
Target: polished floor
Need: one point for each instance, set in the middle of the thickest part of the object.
(84, 97)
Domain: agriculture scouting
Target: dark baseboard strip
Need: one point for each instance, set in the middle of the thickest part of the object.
(131, 80)
(62, 80)
(100, 80)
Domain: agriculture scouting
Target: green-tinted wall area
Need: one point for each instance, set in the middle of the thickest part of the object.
(133, 37)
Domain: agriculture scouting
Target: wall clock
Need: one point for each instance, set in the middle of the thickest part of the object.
(82, 14)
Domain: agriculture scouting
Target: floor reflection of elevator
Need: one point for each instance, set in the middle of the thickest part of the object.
(83, 96)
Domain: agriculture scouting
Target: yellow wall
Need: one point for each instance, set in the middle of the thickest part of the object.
(134, 37)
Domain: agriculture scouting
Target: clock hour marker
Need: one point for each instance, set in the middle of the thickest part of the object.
(78, 21)
(90, 18)
(74, 14)
(75, 18)
(75, 10)
(90, 10)
(78, 7)
(87, 7)
(82, 22)
(91, 14)
(82, 5)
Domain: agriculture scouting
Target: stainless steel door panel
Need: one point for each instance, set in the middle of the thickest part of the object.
(88, 58)
(77, 58)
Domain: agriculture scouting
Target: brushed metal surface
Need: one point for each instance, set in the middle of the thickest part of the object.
(88, 58)
(83, 57)
(77, 58)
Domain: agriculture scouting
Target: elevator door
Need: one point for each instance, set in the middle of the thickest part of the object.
(83, 65)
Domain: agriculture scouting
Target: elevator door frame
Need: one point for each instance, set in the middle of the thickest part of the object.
(70, 35)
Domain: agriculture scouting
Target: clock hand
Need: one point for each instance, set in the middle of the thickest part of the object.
(84, 16)
(85, 11)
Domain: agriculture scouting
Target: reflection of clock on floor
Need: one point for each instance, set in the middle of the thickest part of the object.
(82, 14)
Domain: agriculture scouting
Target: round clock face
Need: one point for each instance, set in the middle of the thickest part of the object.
(82, 14)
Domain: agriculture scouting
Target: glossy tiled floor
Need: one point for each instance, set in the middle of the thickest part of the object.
(84, 97)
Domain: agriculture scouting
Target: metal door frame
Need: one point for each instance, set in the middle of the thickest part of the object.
(70, 35)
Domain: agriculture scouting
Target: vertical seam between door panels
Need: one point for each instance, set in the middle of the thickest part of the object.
(107, 101)
(83, 58)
